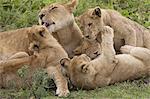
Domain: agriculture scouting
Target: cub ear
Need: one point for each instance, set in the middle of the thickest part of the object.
(42, 32)
(72, 6)
(97, 12)
(77, 51)
(65, 62)
(84, 68)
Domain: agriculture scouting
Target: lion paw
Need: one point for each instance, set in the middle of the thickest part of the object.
(62, 92)
(126, 49)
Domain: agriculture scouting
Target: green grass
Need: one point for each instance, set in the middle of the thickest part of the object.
(125, 90)
(22, 13)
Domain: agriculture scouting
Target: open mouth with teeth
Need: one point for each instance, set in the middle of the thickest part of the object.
(47, 24)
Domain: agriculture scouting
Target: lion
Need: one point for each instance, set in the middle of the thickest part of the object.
(108, 68)
(127, 32)
(46, 53)
(89, 47)
(59, 20)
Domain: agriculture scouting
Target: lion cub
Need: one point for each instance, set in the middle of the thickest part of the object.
(46, 53)
(126, 31)
(49, 52)
(108, 68)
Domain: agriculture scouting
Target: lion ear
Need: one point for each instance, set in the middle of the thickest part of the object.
(72, 6)
(77, 51)
(65, 62)
(84, 68)
(97, 12)
(42, 32)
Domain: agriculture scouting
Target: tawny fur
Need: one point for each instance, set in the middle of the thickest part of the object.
(108, 68)
(13, 42)
(89, 47)
(126, 31)
(59, 20)
(50, 52)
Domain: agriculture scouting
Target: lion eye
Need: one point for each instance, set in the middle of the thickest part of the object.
(54, 8)
(89, 24)
(33, 34)
(36, 46)
(41, 33)
(82, 66)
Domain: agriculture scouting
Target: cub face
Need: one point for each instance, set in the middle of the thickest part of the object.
(89, 47)
(90, 22)
(57, 16)
(78, 70)
(38, 33)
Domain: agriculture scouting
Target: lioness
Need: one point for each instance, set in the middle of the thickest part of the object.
(126, 31)
(89, 47)
(59, 19)
(50, 52)
(108, 68)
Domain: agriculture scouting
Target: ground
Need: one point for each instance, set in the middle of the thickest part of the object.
(125, 90)
(22, 13)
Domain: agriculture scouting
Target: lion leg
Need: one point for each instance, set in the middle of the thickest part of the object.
(138, 52)
(60, 81)
(12, 64)
(147, 39)
(108, 50)
(19, 55)
(126, 49)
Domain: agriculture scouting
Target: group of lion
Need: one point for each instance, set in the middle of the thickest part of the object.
(88, 57)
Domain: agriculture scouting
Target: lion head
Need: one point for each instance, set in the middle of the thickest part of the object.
(91, 22)
(89, 47)
(39, 34)
(57, 16)
(79, 71)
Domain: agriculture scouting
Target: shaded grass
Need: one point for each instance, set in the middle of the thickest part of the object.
(125, 90)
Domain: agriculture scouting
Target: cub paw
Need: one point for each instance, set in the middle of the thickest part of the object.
(62, 92)
(126, 49)
(107, 30)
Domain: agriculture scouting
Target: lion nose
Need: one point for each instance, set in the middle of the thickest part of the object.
(87, 36)
(47, 24)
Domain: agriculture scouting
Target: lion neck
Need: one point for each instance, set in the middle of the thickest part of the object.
(69, 37)
(64, 35)
(106, 17)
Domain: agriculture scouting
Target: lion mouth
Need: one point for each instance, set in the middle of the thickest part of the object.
(97, 55)
(47, 24)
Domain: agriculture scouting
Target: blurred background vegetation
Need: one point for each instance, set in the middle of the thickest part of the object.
(22, 13)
